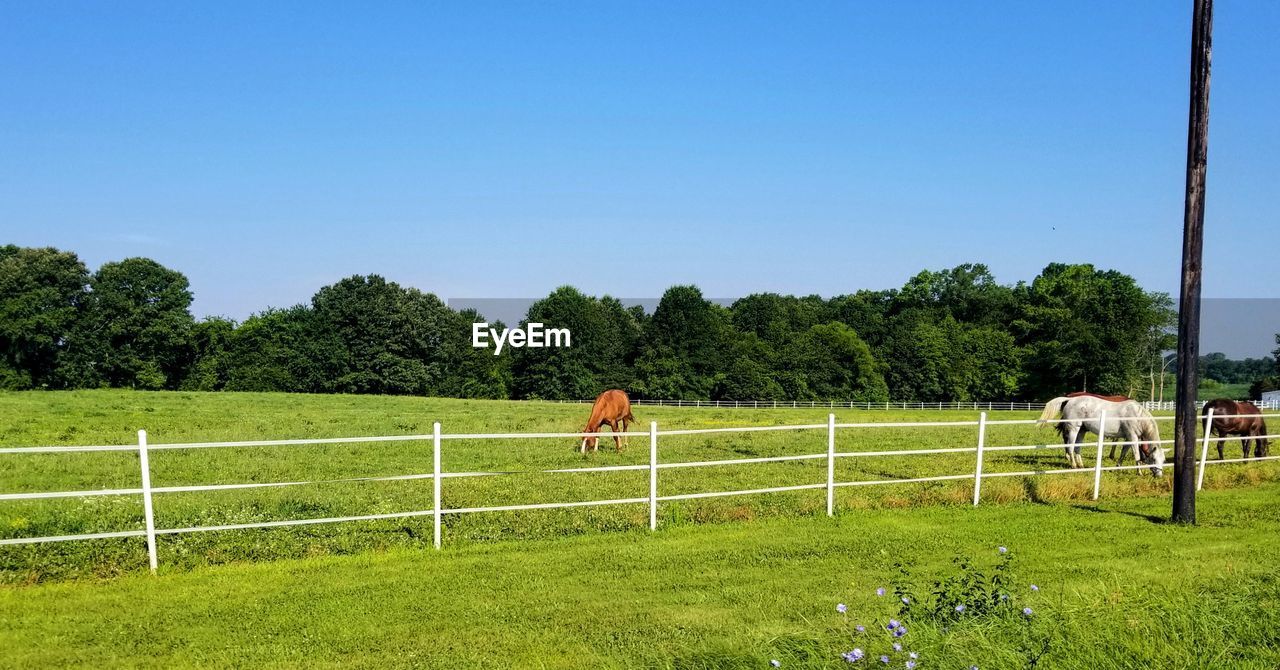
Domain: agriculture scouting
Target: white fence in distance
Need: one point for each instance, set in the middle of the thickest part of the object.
(971, 405)
(653, 467)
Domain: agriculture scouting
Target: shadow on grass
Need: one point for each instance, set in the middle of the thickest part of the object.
(1137, 515)
(1031, 486)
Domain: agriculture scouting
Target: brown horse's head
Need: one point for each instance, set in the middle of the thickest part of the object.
(589, 443)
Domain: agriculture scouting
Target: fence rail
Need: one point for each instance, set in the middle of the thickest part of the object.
(971, 405)
(654, 467)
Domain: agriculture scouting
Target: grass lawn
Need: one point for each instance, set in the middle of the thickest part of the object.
(113, 417)
(1118, 590)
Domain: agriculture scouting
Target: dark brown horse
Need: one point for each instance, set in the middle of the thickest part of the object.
(1243, 418)
(611, 407)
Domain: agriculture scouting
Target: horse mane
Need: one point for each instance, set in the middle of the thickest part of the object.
(1148, 429)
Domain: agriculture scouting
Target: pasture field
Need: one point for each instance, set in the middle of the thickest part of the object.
(1118, 589)
(113, 417)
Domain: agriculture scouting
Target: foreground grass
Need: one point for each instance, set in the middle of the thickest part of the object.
(1119, 589)
(113, 417)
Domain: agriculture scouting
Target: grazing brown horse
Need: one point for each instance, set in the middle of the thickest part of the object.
(611, 407)
(1245, 419)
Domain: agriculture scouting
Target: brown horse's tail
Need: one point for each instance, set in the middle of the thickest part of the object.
(630, 418)
(1263, 442)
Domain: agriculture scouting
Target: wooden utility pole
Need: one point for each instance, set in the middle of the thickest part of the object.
(1184, 434)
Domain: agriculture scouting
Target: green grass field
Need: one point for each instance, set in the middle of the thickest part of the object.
(1118, 590)
(727, 582)
(113, 417)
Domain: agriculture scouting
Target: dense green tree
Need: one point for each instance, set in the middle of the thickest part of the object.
(992, 364)
(661, 373)
(953, 334)
(135, 331)
(1269, 382)
(477, 373)
(748, 379)
(207, 369)
(562, 373)
(394, 338)
(925, 358)
(1085, 329)
(835, 364)
(686, 333)
(604, 334)
(283, 350)
(1218, 367)
(41, 296)
(776, 319)
(624, 330)
(968, 293)
(867, 312)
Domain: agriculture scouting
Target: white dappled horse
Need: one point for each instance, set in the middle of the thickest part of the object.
(1127, 420)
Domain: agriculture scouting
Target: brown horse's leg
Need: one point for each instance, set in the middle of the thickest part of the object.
(617, 441)
(1218, 434)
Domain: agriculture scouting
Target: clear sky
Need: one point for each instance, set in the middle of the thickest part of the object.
(480, 149)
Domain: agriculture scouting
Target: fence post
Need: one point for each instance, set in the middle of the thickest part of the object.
(435, 482)
(653, 475)
(147, 511)
(1097, 465)
(1204, 449)
(977, 472)
(831, 464)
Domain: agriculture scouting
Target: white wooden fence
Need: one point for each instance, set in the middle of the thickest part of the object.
(980, 450)
(972, 405)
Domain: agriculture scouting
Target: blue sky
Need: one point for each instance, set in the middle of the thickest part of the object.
(503, 149)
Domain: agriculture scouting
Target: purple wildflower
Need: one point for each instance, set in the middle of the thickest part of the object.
(960, 608)
(1035, 588)
(775, 663)
(884, 659)
(900, 631)
(893, 623)
(880, 591)
(897, 646)
(1003, 549)
(841, 608)
(1026, 611)
(906, 600)
(913, 655)
(854, 656)
(911, 664)
(860, 628)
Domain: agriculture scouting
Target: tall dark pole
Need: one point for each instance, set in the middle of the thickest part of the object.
(1184, 434)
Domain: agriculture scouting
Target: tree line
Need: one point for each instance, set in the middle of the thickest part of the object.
(1269, 382)
(955, 334)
